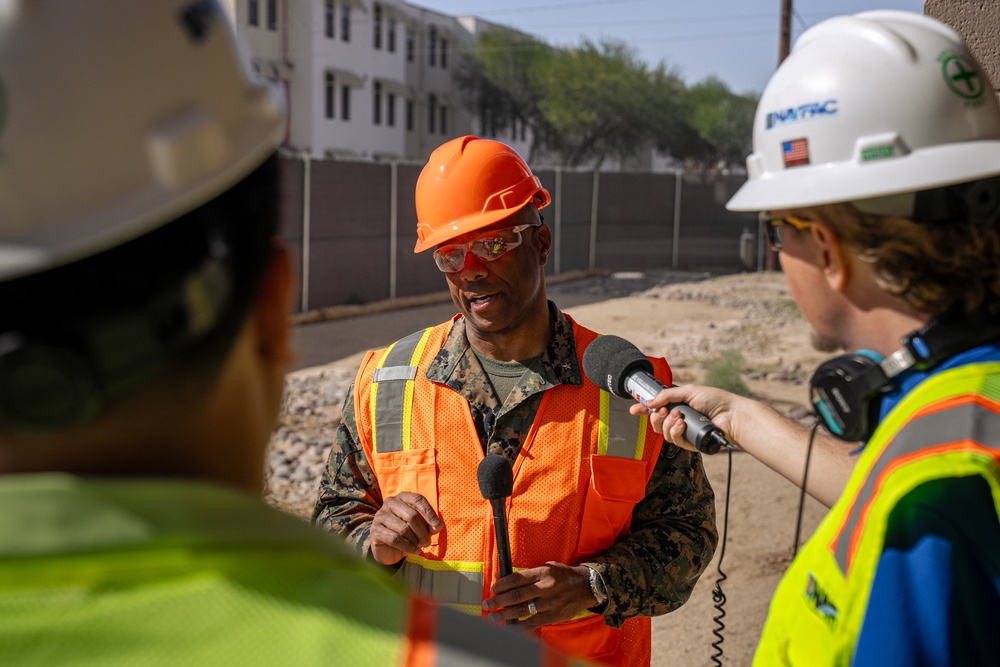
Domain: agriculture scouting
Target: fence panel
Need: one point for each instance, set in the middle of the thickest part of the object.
(351, 256)
(290, 224)
(634, 221)
(709, 234)
(575, 198)
(417, 274)
(349, 223)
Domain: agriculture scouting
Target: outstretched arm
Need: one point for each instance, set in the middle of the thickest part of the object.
(772, 438)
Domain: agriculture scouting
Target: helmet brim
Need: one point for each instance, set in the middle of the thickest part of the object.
(471, 223)
(815, 185)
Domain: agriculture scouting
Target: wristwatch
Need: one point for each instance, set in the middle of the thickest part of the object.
(597, 586)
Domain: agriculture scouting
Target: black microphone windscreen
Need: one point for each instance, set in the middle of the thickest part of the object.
(496, 479)
(608, 361)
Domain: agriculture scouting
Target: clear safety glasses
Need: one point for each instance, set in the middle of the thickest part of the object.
(492, 245)
(772, 227)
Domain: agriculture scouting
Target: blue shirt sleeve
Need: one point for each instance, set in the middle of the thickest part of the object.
(935, 598)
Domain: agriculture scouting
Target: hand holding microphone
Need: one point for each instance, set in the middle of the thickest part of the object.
(496, 483)
(554, 587)
(617, 365)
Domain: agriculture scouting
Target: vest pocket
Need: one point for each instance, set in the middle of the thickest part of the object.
(413, 470)
(616, 485)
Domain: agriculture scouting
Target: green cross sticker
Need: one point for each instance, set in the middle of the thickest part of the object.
(962, 77)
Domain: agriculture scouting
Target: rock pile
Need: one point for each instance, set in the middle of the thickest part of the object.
(299, 447)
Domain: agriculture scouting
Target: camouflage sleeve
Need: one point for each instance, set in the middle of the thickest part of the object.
(349, 494)
(670, 543)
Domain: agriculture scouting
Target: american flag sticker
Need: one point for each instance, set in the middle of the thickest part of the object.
(796, 152)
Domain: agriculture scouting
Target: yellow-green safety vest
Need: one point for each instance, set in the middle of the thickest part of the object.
(946, 427)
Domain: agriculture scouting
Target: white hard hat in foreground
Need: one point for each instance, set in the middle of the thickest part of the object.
(116, 117)
(872, 106)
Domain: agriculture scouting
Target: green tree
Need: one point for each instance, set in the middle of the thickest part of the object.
(724, 120)
(598, 101)
(602, 102)
(499, 83)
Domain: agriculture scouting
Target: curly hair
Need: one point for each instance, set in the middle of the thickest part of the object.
(929, 266)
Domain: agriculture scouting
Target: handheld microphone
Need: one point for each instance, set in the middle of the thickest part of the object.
(496, 483)
(617, 365)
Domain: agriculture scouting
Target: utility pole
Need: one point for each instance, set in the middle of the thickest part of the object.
(786, 30)
(784, 46)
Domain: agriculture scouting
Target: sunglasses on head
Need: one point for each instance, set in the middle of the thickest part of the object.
(492, 245)
(772, 227)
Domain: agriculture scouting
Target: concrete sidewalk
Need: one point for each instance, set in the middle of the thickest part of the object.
(345, 332)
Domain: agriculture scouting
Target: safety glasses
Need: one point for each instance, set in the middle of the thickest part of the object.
(772, 228)
(491, 246)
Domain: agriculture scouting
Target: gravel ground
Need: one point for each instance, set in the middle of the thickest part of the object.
(299, 447)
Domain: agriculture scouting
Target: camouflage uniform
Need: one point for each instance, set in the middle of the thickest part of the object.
(673, 533)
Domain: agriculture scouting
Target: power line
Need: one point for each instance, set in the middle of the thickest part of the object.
(570, 5)
(659, 38)
(802, 21)
(718, 35)
(688, 19)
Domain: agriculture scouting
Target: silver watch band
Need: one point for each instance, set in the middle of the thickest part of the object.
(597, 586)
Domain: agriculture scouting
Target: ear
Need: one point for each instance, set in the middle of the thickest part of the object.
(543, 242)
(274, 307)
(831, 257)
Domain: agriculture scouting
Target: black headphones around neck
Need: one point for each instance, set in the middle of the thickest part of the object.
(847, 391)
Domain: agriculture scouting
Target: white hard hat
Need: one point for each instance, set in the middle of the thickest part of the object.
(117, 116)
(868, 107)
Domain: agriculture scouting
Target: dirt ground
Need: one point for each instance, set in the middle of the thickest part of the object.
(689, 323)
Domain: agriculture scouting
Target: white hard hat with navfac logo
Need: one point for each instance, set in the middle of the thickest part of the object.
(116, 117)
(871, 106)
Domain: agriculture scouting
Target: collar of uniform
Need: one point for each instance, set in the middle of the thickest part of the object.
(557, 364)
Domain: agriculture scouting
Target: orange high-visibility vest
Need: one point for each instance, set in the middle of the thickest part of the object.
(584, 464)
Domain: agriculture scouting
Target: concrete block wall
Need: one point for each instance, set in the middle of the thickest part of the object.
(978, 21)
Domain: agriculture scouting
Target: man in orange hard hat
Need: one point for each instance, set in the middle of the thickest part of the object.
(607, 525)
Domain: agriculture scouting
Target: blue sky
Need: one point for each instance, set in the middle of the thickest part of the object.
(734, 40)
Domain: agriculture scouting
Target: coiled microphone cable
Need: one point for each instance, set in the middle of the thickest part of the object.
(802, 492)
(718, 597)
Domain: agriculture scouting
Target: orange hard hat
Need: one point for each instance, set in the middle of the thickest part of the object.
(469, 183)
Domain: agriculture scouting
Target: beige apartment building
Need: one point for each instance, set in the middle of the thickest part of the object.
(364, 79)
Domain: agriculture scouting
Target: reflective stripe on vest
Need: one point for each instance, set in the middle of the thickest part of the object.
(930, 435)
(459, 581)
(392, 392)
(622, 435)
